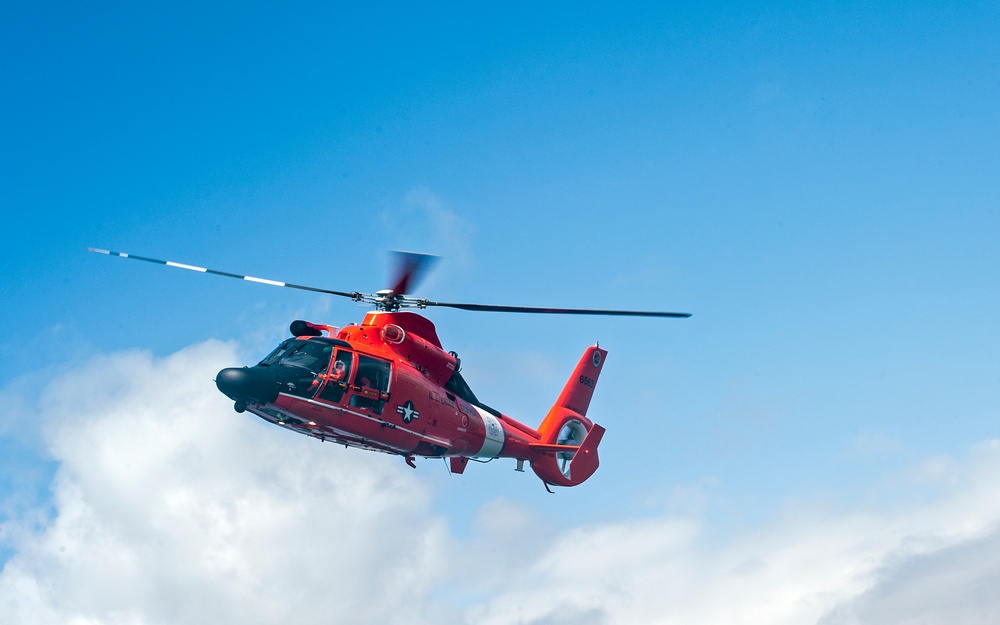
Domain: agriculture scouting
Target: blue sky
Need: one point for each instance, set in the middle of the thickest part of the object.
(817, 185)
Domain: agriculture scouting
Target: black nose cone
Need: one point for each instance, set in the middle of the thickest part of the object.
(248, 384)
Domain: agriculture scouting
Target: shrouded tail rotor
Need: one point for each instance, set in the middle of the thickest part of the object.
(571, 434)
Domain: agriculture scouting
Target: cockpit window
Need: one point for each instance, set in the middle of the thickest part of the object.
(301, 365)
(311, 355)
(272, 358)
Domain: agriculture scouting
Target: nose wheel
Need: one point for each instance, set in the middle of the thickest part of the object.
(240, 407)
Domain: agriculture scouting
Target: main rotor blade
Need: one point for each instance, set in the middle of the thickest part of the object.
(410, 269)
(216, 272)
(555, 311)
(412, 266)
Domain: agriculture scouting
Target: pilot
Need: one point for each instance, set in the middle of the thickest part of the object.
(339, 371)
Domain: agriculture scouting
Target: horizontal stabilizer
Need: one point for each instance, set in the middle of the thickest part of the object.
(554, 448)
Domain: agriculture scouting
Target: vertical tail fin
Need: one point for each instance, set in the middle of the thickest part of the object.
(576, 395)
(579, 389)
(569, 440)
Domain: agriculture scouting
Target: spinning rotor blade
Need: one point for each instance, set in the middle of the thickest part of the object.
(411, 267)
(216, 272)
(555, 311)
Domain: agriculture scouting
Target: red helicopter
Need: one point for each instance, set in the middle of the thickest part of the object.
(388, 385)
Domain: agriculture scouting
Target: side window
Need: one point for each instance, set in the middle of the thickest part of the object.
(339, 377)
(371, 384)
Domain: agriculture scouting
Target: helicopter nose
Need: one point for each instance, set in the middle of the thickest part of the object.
(244, 384)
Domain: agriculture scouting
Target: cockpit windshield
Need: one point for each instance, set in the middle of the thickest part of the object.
(273, 357)
(311, 355)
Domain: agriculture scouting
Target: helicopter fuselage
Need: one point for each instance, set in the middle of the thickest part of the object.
(388, 385)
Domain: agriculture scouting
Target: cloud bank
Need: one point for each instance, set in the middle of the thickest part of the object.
(171, 508)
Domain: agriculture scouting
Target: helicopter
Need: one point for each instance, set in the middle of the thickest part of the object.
(388, 385)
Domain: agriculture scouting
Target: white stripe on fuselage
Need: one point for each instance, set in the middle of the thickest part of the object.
(494, 435)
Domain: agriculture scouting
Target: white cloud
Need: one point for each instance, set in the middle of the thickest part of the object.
(172, 508)
(795, 570)
(956, 584)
